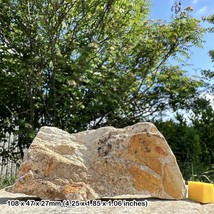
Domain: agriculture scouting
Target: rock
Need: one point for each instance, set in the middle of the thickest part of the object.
(100, 163)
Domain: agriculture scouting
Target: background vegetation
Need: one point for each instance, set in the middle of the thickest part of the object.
(82, 64)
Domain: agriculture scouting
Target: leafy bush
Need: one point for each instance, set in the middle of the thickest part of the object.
(192, 144)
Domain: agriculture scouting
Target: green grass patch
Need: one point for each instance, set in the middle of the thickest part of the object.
(206, 175)
(4, 182)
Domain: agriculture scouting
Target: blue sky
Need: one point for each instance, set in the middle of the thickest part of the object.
(161, 9)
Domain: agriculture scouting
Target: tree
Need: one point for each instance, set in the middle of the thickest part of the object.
(203, 121)
(85, 64)
(209, 74)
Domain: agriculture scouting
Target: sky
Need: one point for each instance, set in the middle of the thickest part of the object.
(199, 59)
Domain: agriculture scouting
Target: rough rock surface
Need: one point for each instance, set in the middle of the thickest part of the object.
(100, 163)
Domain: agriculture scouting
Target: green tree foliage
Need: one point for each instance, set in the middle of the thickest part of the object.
(84, 64)
(193, 142)
(209, 74)
(203, 122)
(203, 110)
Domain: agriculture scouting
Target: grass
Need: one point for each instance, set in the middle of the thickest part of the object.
(4, 182)
(205, 176)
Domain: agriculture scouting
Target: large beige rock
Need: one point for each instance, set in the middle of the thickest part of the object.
(100, 163)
